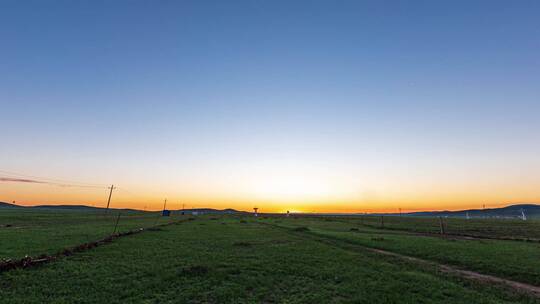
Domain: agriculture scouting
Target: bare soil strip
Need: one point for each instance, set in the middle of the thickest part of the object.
(28, 261)
(484, 278)
(525, 288)
(449, 236)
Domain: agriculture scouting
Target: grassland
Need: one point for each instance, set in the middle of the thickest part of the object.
(516, 260)
(478, 227)
(34, 232)
(230, 259)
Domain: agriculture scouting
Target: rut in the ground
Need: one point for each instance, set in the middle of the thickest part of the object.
(467, 274)
(28, 261)
(485, 278)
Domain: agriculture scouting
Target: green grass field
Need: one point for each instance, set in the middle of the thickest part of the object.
(489, 228)
(34, 232)
(517, 260)
(233, 259)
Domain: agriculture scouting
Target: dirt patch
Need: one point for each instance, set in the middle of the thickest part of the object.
(243, 244)
(194, 271)
(280, 242)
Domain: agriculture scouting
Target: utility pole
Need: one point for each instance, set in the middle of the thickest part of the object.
(159, 215)
(109, 200)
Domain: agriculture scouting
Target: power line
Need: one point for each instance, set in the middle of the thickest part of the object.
(126, 191)
(54, 180)
(16, 177)
(44, 182)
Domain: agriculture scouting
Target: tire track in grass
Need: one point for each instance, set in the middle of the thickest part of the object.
(29, 261)
(524, 288)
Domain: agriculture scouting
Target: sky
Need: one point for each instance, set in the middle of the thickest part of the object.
(311, 106)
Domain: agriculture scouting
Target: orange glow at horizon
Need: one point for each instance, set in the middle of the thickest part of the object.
(291, 199)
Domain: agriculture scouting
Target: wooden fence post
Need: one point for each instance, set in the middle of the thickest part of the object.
(116, 224)
(441, 223)
(382, 221)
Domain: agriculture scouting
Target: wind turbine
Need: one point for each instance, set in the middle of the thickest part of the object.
(523, 217)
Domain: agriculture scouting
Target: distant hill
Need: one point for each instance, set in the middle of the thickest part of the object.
(59, 207)
(90, 208)
(8, 205)
(512, 211)
(209, 211)
(530, 210)
(77, 207)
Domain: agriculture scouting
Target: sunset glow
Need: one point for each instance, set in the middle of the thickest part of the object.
(221, 105)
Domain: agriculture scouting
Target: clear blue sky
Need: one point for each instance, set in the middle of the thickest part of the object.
(383, 100)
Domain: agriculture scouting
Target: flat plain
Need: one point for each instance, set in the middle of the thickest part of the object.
(269, 259)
